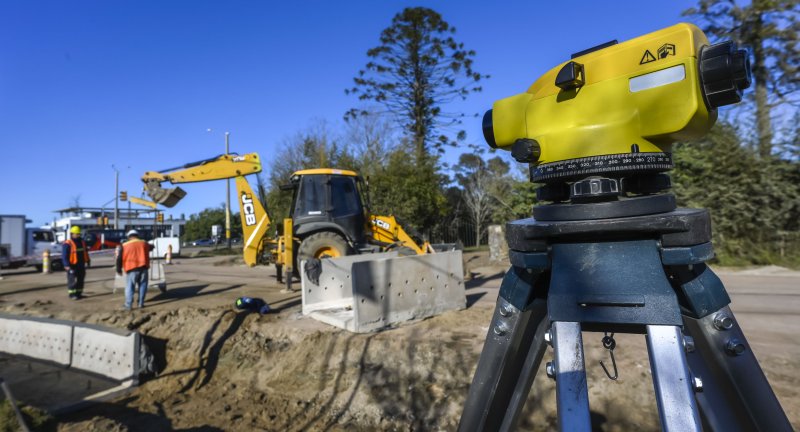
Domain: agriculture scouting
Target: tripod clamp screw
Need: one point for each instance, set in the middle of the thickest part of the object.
(723, 321)
(550, 369)
(688, 344)
(548, 337)
(735, 347)
(501, 328)
(697, 384)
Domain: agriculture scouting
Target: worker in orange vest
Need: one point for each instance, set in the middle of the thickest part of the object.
(135, 260)
(75, 258)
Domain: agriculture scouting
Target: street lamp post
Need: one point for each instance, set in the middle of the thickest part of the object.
(116, 196)
(227, 196)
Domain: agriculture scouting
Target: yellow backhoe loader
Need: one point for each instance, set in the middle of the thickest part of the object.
(329, 215)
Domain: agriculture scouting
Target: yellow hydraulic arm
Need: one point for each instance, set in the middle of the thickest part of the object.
(255, 222)
(386, 229)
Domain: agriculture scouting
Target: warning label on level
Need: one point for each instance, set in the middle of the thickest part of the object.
(647, 57)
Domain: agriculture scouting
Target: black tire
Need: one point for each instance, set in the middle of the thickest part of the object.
(56, 265)
(38, 268)
(314, 245)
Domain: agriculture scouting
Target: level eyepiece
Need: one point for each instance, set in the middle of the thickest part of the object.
(724, 74)
(488, 129)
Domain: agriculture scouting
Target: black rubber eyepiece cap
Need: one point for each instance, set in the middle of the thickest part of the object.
(724, 73)
(488, 129)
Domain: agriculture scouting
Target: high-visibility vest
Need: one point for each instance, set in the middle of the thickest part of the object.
(135, 254)
(73, 251)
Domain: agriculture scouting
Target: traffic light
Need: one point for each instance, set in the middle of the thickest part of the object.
(160, 217)
(100, 220)
(123, 195)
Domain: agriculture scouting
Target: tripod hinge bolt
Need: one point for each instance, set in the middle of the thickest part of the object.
(550, 368)
(697, 384)
(734, 347)
(548, 337)
(501, 328)
(688, 344)
(723, 321)
(505, 310)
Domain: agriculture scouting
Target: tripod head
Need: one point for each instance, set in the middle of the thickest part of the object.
(601, 125)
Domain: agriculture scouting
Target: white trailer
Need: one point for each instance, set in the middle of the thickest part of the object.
(25, 246)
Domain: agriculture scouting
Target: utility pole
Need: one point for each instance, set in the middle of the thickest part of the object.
(227, 196)
(116, 196)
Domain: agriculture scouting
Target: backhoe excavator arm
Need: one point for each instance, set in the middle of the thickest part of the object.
(255, 221)
(386, 229)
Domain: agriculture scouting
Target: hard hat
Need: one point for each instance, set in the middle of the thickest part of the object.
(75, 229)
(132, 232)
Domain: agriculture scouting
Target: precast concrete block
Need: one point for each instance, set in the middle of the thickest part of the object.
(114, 354)
(48, 340)
(363, 293)
(334, 289)
(389, 291)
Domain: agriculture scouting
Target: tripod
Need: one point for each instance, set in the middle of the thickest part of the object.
(629, 266)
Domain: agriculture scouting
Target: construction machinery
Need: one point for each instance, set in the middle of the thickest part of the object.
(329, 214)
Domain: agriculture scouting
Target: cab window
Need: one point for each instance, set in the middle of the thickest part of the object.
(311, 196)
(344, 197)
(43, 236)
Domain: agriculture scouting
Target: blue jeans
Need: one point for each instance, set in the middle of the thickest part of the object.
(135, 277)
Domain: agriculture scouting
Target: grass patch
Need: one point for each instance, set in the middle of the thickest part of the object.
(35, 419)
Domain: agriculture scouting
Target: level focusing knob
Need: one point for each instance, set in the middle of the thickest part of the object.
(526, 150)
(724, 73)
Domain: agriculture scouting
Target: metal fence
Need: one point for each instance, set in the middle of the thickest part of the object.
(458, 231)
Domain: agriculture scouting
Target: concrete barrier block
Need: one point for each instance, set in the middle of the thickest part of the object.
(363, 293)
(390, 291)
(335, 287)
(34, 338)
(115, 355)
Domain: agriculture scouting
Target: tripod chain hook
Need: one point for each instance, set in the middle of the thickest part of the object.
(609, 343)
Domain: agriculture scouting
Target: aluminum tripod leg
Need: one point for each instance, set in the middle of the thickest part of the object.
(510, 358)
(736, 393)
(671, 379)
(572, 395)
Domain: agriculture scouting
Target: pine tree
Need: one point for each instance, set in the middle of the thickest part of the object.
(769, 28)
(418, 68)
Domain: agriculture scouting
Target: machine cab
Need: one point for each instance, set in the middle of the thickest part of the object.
(328, 199)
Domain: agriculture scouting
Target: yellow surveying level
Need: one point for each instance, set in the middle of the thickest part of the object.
(611, 253)
(618, 107)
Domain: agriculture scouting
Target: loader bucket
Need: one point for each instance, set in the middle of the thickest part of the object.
(166, 197)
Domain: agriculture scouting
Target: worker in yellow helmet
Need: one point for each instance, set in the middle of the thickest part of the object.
(75, 257)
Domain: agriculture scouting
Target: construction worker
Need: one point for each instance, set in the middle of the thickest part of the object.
(135, 260)
(75, 258)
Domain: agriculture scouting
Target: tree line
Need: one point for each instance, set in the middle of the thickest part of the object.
(746, 171)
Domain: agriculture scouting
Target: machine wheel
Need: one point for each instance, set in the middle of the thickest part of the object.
(323, 244)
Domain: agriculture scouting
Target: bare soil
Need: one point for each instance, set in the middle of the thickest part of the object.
(223, 370)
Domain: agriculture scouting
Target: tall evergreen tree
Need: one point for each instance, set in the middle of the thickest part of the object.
(418, 68)
(769, 28)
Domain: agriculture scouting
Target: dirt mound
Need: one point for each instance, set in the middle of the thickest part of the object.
(222, 370)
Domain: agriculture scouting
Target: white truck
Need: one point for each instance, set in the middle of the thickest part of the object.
(25, 246)
(162, 244)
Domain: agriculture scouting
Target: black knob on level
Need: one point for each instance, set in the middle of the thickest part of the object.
(724, 73)
(526, 150)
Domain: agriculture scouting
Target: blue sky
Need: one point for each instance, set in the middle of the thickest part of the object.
(88, 84)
